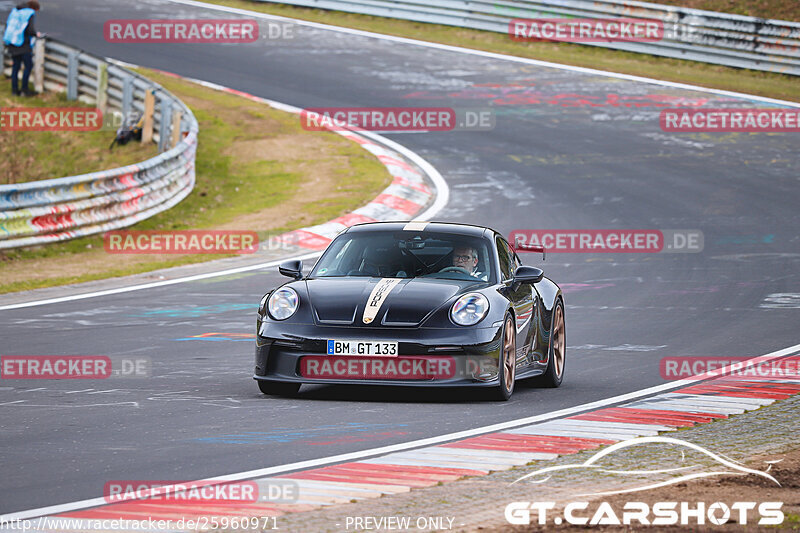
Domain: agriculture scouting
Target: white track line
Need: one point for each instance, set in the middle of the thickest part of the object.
(482, 53)
(352, 456)
(154, 284)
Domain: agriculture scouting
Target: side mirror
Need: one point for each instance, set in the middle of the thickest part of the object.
(528, 274)
(292, 269)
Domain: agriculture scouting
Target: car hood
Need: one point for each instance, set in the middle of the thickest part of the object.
(394, 302)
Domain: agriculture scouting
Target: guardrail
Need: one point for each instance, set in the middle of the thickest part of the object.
(693, 34)
(59, 209)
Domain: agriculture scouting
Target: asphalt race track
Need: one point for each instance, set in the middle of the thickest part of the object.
(569, 150)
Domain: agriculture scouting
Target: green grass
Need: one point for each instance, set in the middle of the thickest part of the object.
(38, 155)
(769, 9)
(227, 187)
(711, 76)
(224, 187)
(790, 521)
(105, 274)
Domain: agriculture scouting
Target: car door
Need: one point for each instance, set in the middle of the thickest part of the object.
(521, 296)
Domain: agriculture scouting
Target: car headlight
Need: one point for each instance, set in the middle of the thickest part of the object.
(283, 303)
(469, 309)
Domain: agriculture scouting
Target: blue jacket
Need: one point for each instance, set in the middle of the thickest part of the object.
(18, 26)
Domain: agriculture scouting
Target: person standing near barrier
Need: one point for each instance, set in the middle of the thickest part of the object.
(19, 37)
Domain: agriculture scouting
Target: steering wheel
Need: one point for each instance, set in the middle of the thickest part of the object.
(456, 269)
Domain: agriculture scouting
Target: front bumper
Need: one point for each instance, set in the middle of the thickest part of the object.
(426, 356)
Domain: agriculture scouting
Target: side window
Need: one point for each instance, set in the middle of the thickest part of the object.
(506, 260)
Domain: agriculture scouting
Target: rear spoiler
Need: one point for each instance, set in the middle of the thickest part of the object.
(532, 248)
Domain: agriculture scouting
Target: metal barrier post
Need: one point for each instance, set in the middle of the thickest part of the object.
(101, 96)
(149, 107)
(72, 75)
(38, 65)
(177, 116)
(166, 120)
(127, 96)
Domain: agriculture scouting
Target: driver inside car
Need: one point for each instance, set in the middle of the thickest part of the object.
(466, 257)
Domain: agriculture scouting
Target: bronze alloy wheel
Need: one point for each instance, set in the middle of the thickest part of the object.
(559, 341)
(507, 363)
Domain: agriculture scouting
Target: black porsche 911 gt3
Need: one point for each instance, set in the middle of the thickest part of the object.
(412, 303)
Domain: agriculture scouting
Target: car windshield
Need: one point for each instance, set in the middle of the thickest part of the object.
(406, 254)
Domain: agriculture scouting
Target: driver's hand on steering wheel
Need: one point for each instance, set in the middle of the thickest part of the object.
(456, 269)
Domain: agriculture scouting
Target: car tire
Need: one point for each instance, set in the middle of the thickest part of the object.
(278, 388)
(557, 352)
(507, 368)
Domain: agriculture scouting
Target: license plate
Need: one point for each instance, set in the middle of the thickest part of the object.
(366, 348)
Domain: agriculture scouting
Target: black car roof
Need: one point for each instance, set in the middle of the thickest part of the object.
(439, 227)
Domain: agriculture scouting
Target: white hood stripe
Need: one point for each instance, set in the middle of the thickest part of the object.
(415, 226)
(377, 297)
